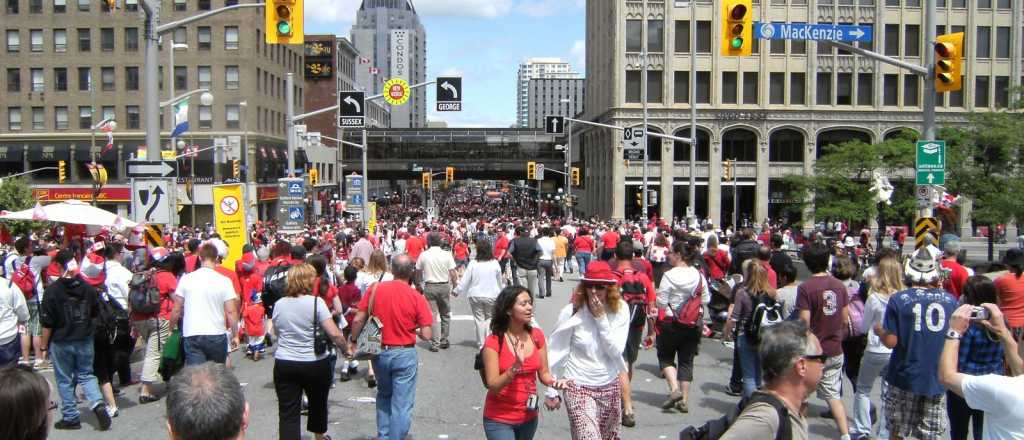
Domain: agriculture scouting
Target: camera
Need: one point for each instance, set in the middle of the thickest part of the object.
(979, 314)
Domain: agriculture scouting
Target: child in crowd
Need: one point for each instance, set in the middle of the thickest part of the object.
(349, 295)
(255, 325)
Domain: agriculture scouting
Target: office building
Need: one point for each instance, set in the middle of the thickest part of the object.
(536, 68)
(554, 96)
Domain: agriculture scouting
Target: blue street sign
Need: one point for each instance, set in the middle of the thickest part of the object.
(296, 189)
(296, 213)
(357, 199)
(807, 31)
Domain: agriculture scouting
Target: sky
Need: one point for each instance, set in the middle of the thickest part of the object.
(483, 41)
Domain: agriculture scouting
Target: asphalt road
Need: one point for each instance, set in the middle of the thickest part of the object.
(449, 396)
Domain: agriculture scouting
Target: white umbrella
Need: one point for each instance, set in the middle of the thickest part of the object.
(71, 211)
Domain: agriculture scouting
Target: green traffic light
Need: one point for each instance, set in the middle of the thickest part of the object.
(284, 27)
(736, 43)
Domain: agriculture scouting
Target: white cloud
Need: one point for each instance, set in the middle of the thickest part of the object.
(463, 8)
(453, 71)
(578, 55)
(546, 8)
(332, 11)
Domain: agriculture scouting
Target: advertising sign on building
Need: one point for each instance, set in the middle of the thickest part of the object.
(319, 59)
(400, 54)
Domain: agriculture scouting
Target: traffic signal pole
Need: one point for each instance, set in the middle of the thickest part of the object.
(643, 101)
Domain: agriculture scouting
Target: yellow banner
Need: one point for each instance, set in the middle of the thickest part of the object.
(372, 223)
(229, 218)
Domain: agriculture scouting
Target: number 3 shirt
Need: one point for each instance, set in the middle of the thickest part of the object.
(919, 318)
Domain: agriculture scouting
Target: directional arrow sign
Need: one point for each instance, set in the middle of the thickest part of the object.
(554, 124)
(151, 201)
(351, 109)
(449, 94)
(931, 163)
(154, 168)
(819, 32)
(634, 138)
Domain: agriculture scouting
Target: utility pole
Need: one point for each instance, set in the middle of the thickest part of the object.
(643, 101)
(289, 123)
(691, 211)
(568, 169)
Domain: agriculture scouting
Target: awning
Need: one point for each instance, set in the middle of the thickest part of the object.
(11, 153)
(48, 152)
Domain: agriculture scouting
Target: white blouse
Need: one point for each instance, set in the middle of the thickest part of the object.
(588, 350)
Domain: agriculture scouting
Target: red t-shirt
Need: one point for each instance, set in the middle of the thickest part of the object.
(231, 276)
(954, 283)
(254, 322)
(414, 246)
(509, 404)
(401, 309)
(773, 278)
(583, 243)
(1010, 291)
(191, 263)
(501, 246)
(461, 251)
(349, 295)
(718, 263)
(329, 293)
(167, 284)
(609, 240)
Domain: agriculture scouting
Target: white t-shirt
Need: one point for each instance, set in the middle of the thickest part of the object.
(1002, 400)
(874, 313)
(117, 282)
(547, 248)
(204, 291)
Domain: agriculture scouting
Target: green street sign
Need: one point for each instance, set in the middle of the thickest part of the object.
(931, 162)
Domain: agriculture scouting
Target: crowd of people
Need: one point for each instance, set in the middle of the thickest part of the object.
(942, 343)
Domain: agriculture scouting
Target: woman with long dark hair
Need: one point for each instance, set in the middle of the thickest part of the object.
(747, 297)
(675, 340)
(515, 355)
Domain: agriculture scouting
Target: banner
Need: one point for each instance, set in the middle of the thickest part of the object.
(372, 223)
(229, 219)
(399, 54)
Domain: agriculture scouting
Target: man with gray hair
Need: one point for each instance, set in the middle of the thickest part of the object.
(439, 275)
(205, 401)
(792, 362)
(955, 273)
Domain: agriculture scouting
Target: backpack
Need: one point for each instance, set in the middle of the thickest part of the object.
(716, 428)
(25, 279)
(143, 294)
(274, 281)
(767, 312)
(112, 320)
(856, 308)
(742, 252)
(691, 313)
(634, 293)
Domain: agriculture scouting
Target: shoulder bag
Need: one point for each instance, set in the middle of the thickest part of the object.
(320, 342)
(368, 343)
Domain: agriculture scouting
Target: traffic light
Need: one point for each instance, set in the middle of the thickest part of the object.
(531, 170)
(236, 169)
(639, 198)
(949, 52)
(449, 175)
(284, 22)
(314, 177)
(426, 180)
(727, 170)
(652, 197)
(737, 27)
(574, 174)
(62, 171)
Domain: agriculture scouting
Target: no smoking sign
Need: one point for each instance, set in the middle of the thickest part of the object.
(229, 205)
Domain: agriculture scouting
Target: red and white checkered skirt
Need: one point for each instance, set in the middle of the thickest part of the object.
(594, 412)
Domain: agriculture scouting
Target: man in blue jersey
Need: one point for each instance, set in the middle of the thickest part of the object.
(915, 325)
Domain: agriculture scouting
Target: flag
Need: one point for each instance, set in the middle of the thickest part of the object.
(364, 60)
(38, 214)
(374, 71)
(948, 199)
(263, 152)
(180, 118)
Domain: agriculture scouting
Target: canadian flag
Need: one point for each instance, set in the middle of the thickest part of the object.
(364, 60)
(948, 199)
(374, 71)
(108, 128)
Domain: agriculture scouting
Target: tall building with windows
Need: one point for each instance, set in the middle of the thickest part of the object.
(537, 68)
(392, 43)
(773, 112)
(554, 96)
(69, 64)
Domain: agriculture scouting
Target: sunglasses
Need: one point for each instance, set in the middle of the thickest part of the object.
(816, 357)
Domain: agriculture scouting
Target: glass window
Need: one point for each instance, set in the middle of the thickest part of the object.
(703, 87)
(633, 86)
(131, 5)
(132, 112)
(84, 117)
(797, 47)
(131, 39)
(892, 40)
(83, 5)
(1004, 4)
(180, 35)
(204, 5)
(1002, 91)
(13, 79)
(14, 118)
(1003, 42)
(108, 112)
(703, 37)
(13, 40)
(911, 90)
(981, 91)
(232, 115)
(681, 87)
(205, 75)
(824, 83)
(892, 2)
(180, 78)
(777, 46)
(682, 36)
(912, 40)
(984, 42)
(179, 5)
(655, 86)
(60, 79)
(655, 36)
(38, 118)
(35, 6)
(231, 37)
(750, 87)
(35, 37)
(205, 116)
(60, 117)
(865, 88)
(38, 82)
(956, 98)
(913, 3)
(777, 88)
(107, 39)
(131, 78)
(231, 77)
(84, 79)
(84, 40)
(60, 6)
(60, 40)
(729, 85)
(634, 36)
(844, 89)
(205, 37)
(797, 88)
(890, 89)
(984, 4)
(107, 78)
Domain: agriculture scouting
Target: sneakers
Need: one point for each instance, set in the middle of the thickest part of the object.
(434, 348)
(144, 399)
(628, 420)
(64, 424)
(353, 369)
(445, 345)
(681, 407)
(113, 412)
(673, 398)
(344, 376)
(103, 416)
(733, 391)
(42, 365)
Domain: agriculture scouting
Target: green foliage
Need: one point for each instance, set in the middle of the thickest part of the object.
(984, 163)
(16, 195)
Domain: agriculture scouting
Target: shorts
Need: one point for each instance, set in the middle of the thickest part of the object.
(32, 325)
(912, 415)
(256, 344)
(830, 386)
(633, 341)
(677, 342)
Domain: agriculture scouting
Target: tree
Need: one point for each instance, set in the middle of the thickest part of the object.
(16, 195)
(984, 163)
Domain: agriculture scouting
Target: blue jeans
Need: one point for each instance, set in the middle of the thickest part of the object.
(203, 348)
(872, 366)
(396, 392)
(750, 365)
(495, 430)
(582, 260)
(72, 365)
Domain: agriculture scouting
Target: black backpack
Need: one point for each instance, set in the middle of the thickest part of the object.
(766, 313)
(143, 295)
(274, 281)
(716, 428)
(112, 320)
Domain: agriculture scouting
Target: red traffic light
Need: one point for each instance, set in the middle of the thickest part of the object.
(738, 12)
(944, 50)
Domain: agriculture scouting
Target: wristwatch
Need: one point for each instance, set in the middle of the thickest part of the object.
(953, 334)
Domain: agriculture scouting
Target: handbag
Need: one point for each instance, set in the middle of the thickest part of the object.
(320, 342)
(368, 343)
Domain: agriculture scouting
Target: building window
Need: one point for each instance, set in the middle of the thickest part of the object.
(85, 117)
(655, 87)
(681, 87)
(13, 79)
(824, 83)
(682, 40)
(655, 36)
(84, 79)
(890, 90)
(38, 118)
(107, 39)
(230, 2)
(1003, 42)
(892, 3)
(797, 47)
(38, 82)
(231, 113)
(984, 4)
(984, 42)
(703, 87)
(912, 39)
(956, 98)
(231, 37)
(777, 46)
(108, 113)
(13, 40)
(844, 89)
(60, 6)
(179, 5)
(181, 35)
(750, 87)
(131, 5)
(634, 36)
(84, 40)
(14, 118)
(107, 79)
(1002, 91)
(180, 78)
(60, 79)
(865, 88)
(60, 118)
(35, 38)
(83, 5)
(35, 6)
(981, 91)
(892, 40)
(60, 40)
(777, 88)
(132, 113)
(1003, 4)
(131, 39)
(703, 36)
(205, 76)
(633, 86)
(231, 77)
(131, 78)
(204, 5)
(205, 116)
(729, 85)
(911, 90)
(205, 37)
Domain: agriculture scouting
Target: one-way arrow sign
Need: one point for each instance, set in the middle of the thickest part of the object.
(554, 124)
(154, 168)
(351, 109)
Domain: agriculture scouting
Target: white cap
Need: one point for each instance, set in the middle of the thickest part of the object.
(222, 248)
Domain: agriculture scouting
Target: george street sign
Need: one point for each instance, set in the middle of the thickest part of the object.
(152, 168)
(554, 124)
(931, 162)
(351, 109)
(449, 94)
(807, 31)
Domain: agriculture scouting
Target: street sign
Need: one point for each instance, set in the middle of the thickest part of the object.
(396, 91)
(152, 168)
(931, 162)
(449, 94)
(351, 109)
(539, 173)
(924, 194)
(151, 201)
(154, 235)
(926, 231)
(634, 138)
(291, 208)
(807, 31)
(554, 124)
(354, 191)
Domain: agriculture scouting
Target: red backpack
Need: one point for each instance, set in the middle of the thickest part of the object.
(25, 279)
(690, 313)
(632, 287)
